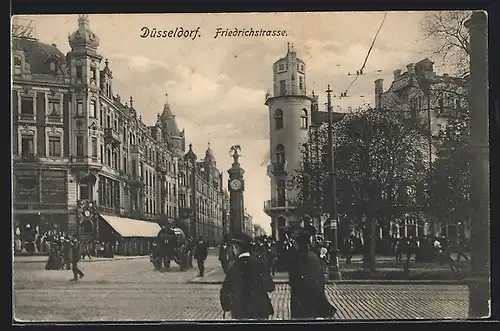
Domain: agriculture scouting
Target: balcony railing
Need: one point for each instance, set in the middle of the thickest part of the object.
(111, 136)
(27, 117)
(278, 168)
(54, 118)
(109, 210)
(279, 204)
(29, 157)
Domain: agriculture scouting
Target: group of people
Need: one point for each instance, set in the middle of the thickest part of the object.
(248, 280)
(65, 253)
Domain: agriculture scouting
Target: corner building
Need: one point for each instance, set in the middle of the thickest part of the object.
(292, 115)
(74, 140)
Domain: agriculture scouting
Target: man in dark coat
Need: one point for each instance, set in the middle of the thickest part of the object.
(247, 282)
(307, 281)
(223, 259)
(200, 255)
(75, 257)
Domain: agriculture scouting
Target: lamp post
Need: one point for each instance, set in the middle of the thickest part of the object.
(334, 272)
(479, 280)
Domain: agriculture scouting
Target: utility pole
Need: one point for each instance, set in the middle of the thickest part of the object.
(334, 272)
(479, 280)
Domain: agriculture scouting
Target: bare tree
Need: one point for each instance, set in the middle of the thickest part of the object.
(449, 38)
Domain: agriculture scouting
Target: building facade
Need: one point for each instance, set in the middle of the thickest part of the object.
(248, 224)
(293, 115)
(203, 201)
(430, 100)
(74, 139)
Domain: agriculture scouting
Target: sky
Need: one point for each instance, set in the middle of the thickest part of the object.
(216, 86)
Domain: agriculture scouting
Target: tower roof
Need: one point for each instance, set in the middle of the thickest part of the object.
(209, 156)
(168, 119)
(83, 36)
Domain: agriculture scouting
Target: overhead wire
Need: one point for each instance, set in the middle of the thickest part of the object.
(360, 71)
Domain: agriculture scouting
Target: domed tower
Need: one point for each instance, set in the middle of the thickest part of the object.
(83, 63)
(171, 131)
(209, 159)
(289, 120)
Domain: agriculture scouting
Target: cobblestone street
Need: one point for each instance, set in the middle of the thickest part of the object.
(130, 290)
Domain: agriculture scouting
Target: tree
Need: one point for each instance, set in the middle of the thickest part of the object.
(377, 159)
(450, 38)
(448, 199)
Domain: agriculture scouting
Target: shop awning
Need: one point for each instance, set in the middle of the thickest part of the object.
(127, 227)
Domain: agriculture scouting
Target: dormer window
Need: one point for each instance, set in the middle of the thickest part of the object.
(301, 67)
(93, 73)
(17, 61)
(281, 67)
(301, 83)
(52, 66)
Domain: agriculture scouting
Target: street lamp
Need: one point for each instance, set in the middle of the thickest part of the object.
(334, 272)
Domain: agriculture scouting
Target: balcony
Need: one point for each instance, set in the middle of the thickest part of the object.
(278, 169)
(54, 119)
(27, 117)
(136, 181)
(136, 149)
(29, 157)
(112, 137)
(280, 205)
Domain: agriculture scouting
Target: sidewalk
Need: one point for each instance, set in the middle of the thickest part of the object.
(217, 277)
(44, 258)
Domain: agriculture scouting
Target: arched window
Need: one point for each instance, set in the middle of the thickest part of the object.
(278, 119)
(280, 154)
(281, 193)
(303, 119)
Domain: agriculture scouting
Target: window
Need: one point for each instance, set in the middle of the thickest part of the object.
(278, 119)
(79, 146)
(301, 67)
(281, 67)
(54, 108)
(280, 154)
(52, 66)
(27, 106)
(301, 83)
(93, 109)
(303, 119)
(282, 87)
(298, 66)
(94, 147)
(102, 154)
(281, 193)
(93, 73)
(17, 61)
(125, 164)
(79, 72)
(27, 147)
(55, 146)
(108, 122)
(79, 108)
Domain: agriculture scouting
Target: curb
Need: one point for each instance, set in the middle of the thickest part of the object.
(359, 282)
(89, 261)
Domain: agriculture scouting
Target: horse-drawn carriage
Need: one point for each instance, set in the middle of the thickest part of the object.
(171, 244)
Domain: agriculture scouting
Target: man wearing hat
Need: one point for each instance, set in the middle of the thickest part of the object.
(75, 257)
(247, 282)
(306, 278)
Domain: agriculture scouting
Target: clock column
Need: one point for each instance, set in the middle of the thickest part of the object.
(236, 189)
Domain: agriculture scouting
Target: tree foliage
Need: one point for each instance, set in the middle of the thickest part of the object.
(450, 37)
(377, 158)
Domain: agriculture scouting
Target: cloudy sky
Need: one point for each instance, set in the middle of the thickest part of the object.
(216, 87)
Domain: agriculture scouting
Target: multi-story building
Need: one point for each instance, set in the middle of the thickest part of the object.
(73, 139)
(292, 116)
(258, 231)
(248, 224)
(203, 201)
(431, 100)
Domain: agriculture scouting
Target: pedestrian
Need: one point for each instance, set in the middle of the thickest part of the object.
(75, 257)
(223, 255)
(307, 279)
(247, 283)
(200, 255)
(66, 254)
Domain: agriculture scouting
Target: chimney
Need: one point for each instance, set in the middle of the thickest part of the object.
(410, 68)
(397, 74)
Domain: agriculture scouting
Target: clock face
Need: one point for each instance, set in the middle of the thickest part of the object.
(235, 184)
